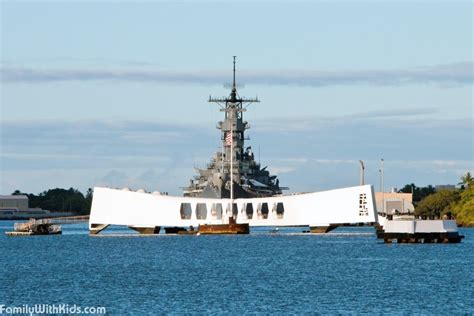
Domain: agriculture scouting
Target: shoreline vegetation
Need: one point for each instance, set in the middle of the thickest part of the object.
(60, 200)
(456, 203)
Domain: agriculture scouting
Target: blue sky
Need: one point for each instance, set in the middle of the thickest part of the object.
(104, 93)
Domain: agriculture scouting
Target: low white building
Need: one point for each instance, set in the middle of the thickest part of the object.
(394, 202)
(14, 201)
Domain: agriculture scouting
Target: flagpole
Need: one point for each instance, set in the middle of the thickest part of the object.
(231, 170)
(222, 157)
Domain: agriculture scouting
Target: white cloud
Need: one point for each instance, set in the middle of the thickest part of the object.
(334, 161)
(280, 169)
(38, 155)
(446, 75)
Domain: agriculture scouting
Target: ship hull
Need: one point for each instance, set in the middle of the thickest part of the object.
(317, 209)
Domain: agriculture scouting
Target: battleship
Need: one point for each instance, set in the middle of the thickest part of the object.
(235, 161)
(232, 194)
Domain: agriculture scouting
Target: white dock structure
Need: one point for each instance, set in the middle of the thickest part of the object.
(148, 212)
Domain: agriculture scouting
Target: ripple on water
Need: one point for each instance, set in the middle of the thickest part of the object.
(286, 272)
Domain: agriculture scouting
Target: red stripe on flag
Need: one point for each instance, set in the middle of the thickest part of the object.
(228, 139)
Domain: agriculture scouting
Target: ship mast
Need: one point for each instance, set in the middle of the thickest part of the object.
(234, 89)
(231, 208)
(231, 168)
(233, 127)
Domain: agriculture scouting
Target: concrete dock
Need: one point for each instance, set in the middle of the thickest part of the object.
(419, 231)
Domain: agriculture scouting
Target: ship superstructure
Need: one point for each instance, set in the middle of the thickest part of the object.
(235, 163)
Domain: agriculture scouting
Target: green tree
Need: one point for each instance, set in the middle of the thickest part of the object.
(88, 201)
(466, 180)
(57, 200)
(419, 193)
(463, 210)
(437, 203)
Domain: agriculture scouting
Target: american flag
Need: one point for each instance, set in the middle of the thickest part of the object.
(228, 139)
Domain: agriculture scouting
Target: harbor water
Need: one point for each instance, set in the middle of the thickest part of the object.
(345, 271)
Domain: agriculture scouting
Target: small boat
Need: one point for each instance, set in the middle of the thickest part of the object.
(35, 227)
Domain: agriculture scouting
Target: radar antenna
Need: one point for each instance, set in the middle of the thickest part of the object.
(233, 81)
(233, 100)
